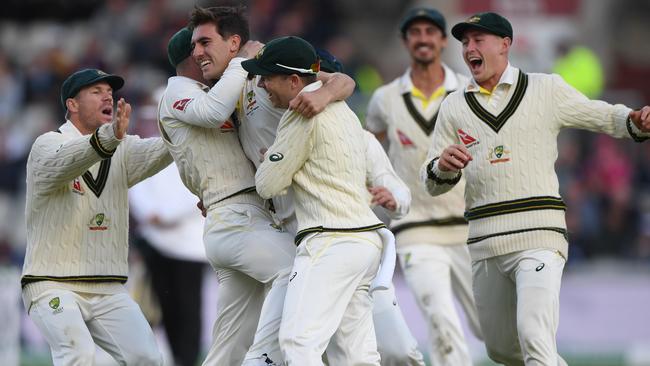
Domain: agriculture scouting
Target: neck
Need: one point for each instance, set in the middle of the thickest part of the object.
(492, 82)
(427, 77)
(80, 126)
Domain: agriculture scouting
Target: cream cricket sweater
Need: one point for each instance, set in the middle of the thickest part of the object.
(409, 127)
(512, 194)
(77, 209)
(322, 158)
(202, 137)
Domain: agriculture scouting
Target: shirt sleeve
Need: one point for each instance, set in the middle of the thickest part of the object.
(574, 110)
(376, 118)
(292, 146)
(56, 160)
(380, 173)
(212, 109)
(145, 157)
(435, 180)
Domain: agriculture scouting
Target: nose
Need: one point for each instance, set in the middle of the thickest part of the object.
(197, 51)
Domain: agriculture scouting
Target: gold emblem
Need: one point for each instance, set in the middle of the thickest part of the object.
(474, 20)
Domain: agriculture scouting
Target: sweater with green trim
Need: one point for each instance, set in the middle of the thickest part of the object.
(77, 209)
(512, 191)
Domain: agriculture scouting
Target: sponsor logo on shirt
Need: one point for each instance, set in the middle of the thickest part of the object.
(276, 157)
(181, 104)
(77, 187)
(404, 140)
(466, 139)
(227, 126)
(498, 154)
(251, 102)
(99, 223)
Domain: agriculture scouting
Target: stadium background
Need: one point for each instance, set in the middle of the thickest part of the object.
(600, 45)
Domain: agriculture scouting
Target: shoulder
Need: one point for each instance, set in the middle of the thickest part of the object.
(179, 88)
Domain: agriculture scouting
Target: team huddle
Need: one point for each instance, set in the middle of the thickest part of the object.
(290, 183)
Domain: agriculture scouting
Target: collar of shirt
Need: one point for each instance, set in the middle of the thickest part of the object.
(450, 84)
(509, 77)
(68, 128)
(311, 87)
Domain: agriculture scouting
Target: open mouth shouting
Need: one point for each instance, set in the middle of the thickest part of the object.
(107, 112)
(475, 63)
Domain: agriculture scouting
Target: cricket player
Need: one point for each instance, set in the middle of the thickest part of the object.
(395, 343)
(338, 244)
(431, 238)
(500, 129)
(259, 122)
(251, 257)
(77, 227)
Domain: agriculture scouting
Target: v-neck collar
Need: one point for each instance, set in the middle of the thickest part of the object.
(450, 84)
(497, 122)
(95, 184)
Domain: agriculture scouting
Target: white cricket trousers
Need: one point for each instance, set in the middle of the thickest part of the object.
(328, 301)
(518, 301)
(73, 322)
(252, 260)
(435, 273)
(395, 343)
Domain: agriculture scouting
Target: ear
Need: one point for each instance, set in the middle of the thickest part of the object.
(443, 44)
(505, 45)
(72, 105)
(234, 42)
(296, 82)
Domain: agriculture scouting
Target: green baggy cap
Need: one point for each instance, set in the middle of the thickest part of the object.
(285, 55)
(85, 77)
(489, 22)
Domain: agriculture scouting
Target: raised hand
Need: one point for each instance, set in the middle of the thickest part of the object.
(121, 123)
(641, 118)
(454, 158)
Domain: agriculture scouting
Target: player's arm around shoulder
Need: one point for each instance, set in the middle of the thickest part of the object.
(336, 87)
(186, 101)
(446, 158)
(292, 146)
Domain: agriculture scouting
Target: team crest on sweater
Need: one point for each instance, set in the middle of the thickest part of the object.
(99, 222)
(227, 126)
(467, 139)
(498, 154)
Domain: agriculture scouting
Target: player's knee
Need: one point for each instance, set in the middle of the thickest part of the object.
(410, 357)
(145, 357)
(84, 355)
(503, 356)
(80, 352)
